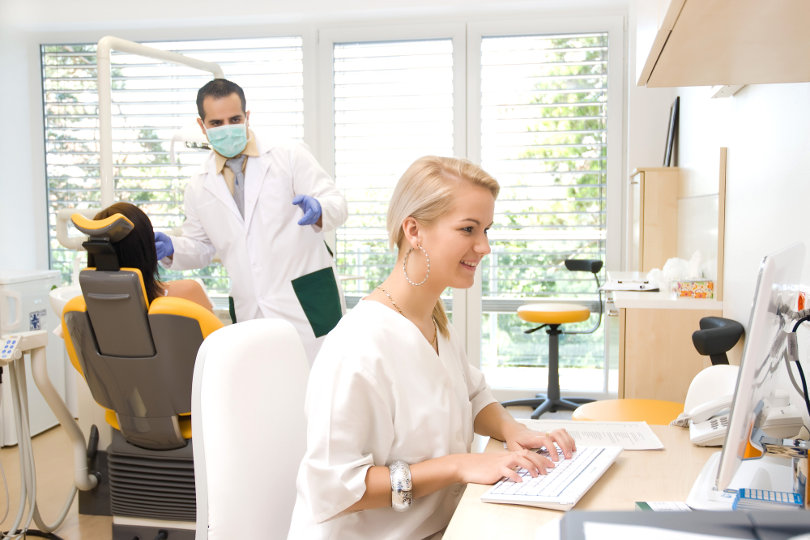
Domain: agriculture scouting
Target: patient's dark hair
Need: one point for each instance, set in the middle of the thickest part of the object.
(219, 88)
(137, 249)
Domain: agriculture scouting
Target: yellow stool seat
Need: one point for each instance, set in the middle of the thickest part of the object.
(652, 411)
(553, 313)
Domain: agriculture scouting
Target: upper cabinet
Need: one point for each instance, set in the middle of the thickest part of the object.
(722, 42)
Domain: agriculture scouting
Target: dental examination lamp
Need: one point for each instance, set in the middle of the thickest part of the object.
(105, 47)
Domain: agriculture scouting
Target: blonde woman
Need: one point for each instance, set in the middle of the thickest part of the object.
(392, 401)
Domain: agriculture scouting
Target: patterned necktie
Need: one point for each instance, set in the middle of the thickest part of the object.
(235, 164)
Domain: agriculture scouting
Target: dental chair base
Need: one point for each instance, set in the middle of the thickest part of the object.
(147, 532)
(96, 502)
(151, 485)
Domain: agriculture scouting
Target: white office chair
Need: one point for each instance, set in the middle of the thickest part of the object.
(247, 416)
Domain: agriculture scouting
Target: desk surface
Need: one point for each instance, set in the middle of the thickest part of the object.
(647, 475)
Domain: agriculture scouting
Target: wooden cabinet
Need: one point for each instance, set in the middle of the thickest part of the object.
(722, 42)
(657, 359)
(653, 227)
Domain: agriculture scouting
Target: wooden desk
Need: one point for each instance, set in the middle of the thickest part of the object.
(647, 475)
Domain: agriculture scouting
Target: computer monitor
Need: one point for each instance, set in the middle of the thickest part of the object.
(761, 358)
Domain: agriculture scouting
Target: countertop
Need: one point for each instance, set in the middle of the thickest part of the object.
(660, 300)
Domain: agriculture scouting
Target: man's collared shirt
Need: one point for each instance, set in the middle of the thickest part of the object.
(250, 151)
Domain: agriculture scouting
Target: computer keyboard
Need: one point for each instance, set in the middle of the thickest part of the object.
(562, 486)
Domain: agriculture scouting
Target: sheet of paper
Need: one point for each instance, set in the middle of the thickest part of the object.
(628, 435)
(595, 530)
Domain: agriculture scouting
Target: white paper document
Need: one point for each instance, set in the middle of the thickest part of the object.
(628, 435)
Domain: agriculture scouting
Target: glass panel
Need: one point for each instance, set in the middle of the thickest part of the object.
(393, 103)
(544, 137)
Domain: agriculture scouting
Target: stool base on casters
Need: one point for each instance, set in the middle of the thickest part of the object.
(542, 403)
(550, 401)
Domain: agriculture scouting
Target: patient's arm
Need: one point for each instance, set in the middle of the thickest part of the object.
(190, 290)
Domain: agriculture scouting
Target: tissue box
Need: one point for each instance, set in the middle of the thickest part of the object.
(695, 288)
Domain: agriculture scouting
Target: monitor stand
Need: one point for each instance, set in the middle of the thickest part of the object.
(769, 472)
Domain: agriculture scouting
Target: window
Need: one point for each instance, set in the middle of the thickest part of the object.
(540, 126)
(536, 103)
(543, 133)
(153, 116)
(393, 103)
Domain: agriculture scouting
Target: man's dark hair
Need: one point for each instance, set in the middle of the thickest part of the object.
(219, 88)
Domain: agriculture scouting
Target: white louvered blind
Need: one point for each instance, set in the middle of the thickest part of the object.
(153, 102)
(393, 103)
(544, 137)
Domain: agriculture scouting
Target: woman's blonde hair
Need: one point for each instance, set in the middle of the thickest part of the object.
(424, 192)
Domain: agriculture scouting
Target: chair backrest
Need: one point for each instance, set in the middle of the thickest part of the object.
(137, 359)
(717, 335)
(593, 266)
(247, 415)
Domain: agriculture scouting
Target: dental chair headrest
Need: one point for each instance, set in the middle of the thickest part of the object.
(102, 233)
(114, 227)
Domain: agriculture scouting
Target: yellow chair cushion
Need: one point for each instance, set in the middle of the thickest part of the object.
(553, 313)
(184, 420)
(652, 411)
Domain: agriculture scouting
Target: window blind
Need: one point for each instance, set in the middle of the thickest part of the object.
(393, 103)
(544, 137)
(154, 124)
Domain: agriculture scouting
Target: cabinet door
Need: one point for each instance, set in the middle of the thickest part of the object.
(657, 357)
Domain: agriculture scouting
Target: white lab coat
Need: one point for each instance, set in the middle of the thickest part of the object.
(267, 249)
(377, 393)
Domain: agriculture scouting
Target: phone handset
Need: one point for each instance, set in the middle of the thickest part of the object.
(714, 407)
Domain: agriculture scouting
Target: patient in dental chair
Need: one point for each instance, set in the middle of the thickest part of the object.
(137, 250)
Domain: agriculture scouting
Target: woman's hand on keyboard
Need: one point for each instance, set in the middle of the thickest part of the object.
(528, 439)
(488, 468)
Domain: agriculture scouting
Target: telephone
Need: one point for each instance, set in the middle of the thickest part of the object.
(709, 421)
(708, 414)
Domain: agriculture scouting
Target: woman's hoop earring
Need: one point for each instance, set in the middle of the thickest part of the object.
(405, 266)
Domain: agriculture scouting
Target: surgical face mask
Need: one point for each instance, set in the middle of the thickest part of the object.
(228, 140)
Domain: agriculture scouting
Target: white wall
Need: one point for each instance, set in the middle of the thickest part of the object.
(767, 131)
(22, 185)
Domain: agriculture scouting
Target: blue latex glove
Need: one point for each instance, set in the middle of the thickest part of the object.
(163, 245)
(311, 208)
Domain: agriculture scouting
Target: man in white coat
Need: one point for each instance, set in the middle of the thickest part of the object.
(262, 209)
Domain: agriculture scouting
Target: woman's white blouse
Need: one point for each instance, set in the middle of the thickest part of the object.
(377, 393)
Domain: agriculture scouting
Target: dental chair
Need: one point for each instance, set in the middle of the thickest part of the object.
(138, 361)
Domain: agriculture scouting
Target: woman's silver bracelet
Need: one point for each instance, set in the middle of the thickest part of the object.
(401, 497)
